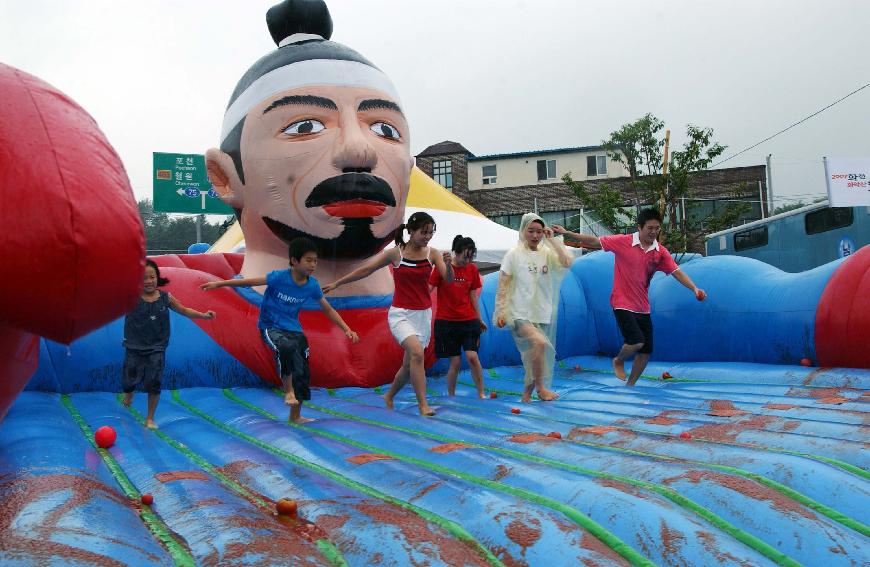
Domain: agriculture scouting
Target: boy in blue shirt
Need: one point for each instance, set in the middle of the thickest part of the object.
(286, 292)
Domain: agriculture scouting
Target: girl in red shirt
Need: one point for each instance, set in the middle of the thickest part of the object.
(457, 321)
(410, 315)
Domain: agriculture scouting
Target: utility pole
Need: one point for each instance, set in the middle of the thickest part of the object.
(769, 187)
(663, 200)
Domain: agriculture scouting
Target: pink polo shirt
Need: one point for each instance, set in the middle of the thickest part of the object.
(634, 269)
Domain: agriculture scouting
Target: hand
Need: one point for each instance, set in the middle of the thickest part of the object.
(209, 314)
(700, 294)
(548, 232)
(559, 229)
(209, 285)
(328, 287)
(354, 338)
(483, 326)
(500, 322)
(447, 257)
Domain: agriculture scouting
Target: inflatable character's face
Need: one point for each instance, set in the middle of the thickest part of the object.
(331, 163)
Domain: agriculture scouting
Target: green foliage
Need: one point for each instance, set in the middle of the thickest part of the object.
(787, 208)
(165, 234)
(638, 146)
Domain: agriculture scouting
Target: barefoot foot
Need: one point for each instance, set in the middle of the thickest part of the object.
(388, 400)
(619, 368)
(547, 395)
(150, 424)
(128, 399)
(426, 411)
(301, 419)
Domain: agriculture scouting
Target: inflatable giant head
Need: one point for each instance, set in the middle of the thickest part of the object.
(314, 143)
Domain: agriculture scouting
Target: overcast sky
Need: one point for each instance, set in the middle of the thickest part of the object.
(497, 76)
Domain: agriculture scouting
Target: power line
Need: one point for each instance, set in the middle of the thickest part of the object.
(792, 126)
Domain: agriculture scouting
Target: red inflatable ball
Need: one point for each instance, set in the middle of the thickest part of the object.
(685, 435)
(515, 410)
(105, 437)
(806, 362)
(147, 499)
(554, 435)
(492, 395)
(666, 375)
(286, 507)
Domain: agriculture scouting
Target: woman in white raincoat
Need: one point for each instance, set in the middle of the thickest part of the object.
(527, 301)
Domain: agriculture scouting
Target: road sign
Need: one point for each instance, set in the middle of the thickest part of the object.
(181, 185)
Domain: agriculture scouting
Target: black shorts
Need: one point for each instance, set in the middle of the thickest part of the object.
(635, 328)
(452, 337)
(291, 355)
(143, 367)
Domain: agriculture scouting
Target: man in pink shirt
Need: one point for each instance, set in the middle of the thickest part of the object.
(638, 257)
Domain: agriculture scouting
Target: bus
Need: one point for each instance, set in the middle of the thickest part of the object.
(797, 240)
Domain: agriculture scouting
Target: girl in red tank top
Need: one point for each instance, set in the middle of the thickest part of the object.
(410, 315)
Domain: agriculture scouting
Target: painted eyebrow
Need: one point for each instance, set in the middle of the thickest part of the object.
(376, 103)
(306, 100)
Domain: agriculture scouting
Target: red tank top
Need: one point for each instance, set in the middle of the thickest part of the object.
(411, 279)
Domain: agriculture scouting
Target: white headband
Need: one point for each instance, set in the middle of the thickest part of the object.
(336, 72)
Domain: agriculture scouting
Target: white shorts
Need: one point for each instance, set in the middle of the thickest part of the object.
(406, 322)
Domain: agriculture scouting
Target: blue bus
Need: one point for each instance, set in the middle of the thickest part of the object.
(797, 240)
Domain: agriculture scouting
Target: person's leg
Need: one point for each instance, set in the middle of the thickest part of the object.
(452, 373)
(414, 350)
(399, 380)
(637, 367)
(130, 376)
(476, 371)
(633, 336)
(153, 398)
(296, 414)
(644, 322)
(289, 395)
(537, 348)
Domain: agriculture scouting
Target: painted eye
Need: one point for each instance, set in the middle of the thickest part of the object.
(304, 127)
(384, 130)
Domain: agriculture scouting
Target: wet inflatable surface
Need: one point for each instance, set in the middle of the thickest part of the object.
(722, 464)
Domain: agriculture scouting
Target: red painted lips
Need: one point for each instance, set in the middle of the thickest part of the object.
(355, 208)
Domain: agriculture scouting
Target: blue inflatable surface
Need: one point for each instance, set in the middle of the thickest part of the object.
(738, 463)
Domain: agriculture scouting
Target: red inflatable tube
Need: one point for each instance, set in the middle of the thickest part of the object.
(843, 315)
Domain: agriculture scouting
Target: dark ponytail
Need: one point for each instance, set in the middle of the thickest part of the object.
(153, 264)
(415, 222)
(463, 243)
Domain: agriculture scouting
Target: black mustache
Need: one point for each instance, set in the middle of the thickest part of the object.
(351, 186)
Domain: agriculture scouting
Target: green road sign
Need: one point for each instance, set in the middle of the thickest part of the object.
(181, 185)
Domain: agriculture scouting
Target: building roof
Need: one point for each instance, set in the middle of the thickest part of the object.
(444, 148)
(536, 153)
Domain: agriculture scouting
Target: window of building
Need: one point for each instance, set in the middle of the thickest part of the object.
(546, 169)
(442, 172)
(510, 221)
(596, 165)
(752, 238)
(489, 175)
(828, 219)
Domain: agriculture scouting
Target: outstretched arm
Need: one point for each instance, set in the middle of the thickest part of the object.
(504, 281)
(684, 279)
(564, 257)
(365, 270)
(336, 318)
(176, 306)
(238, 282)
(587, 240)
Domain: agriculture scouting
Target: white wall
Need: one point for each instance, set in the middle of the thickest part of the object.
(516, 171)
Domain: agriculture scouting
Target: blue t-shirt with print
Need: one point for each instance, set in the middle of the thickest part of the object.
(284, 299)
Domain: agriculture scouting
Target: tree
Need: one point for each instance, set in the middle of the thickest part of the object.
(638, 146)
(166, 234)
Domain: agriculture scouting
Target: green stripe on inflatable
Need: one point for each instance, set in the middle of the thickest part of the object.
(672, 495)
(161, 531)
(452, 528)
(581, 519)
(823, 509)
